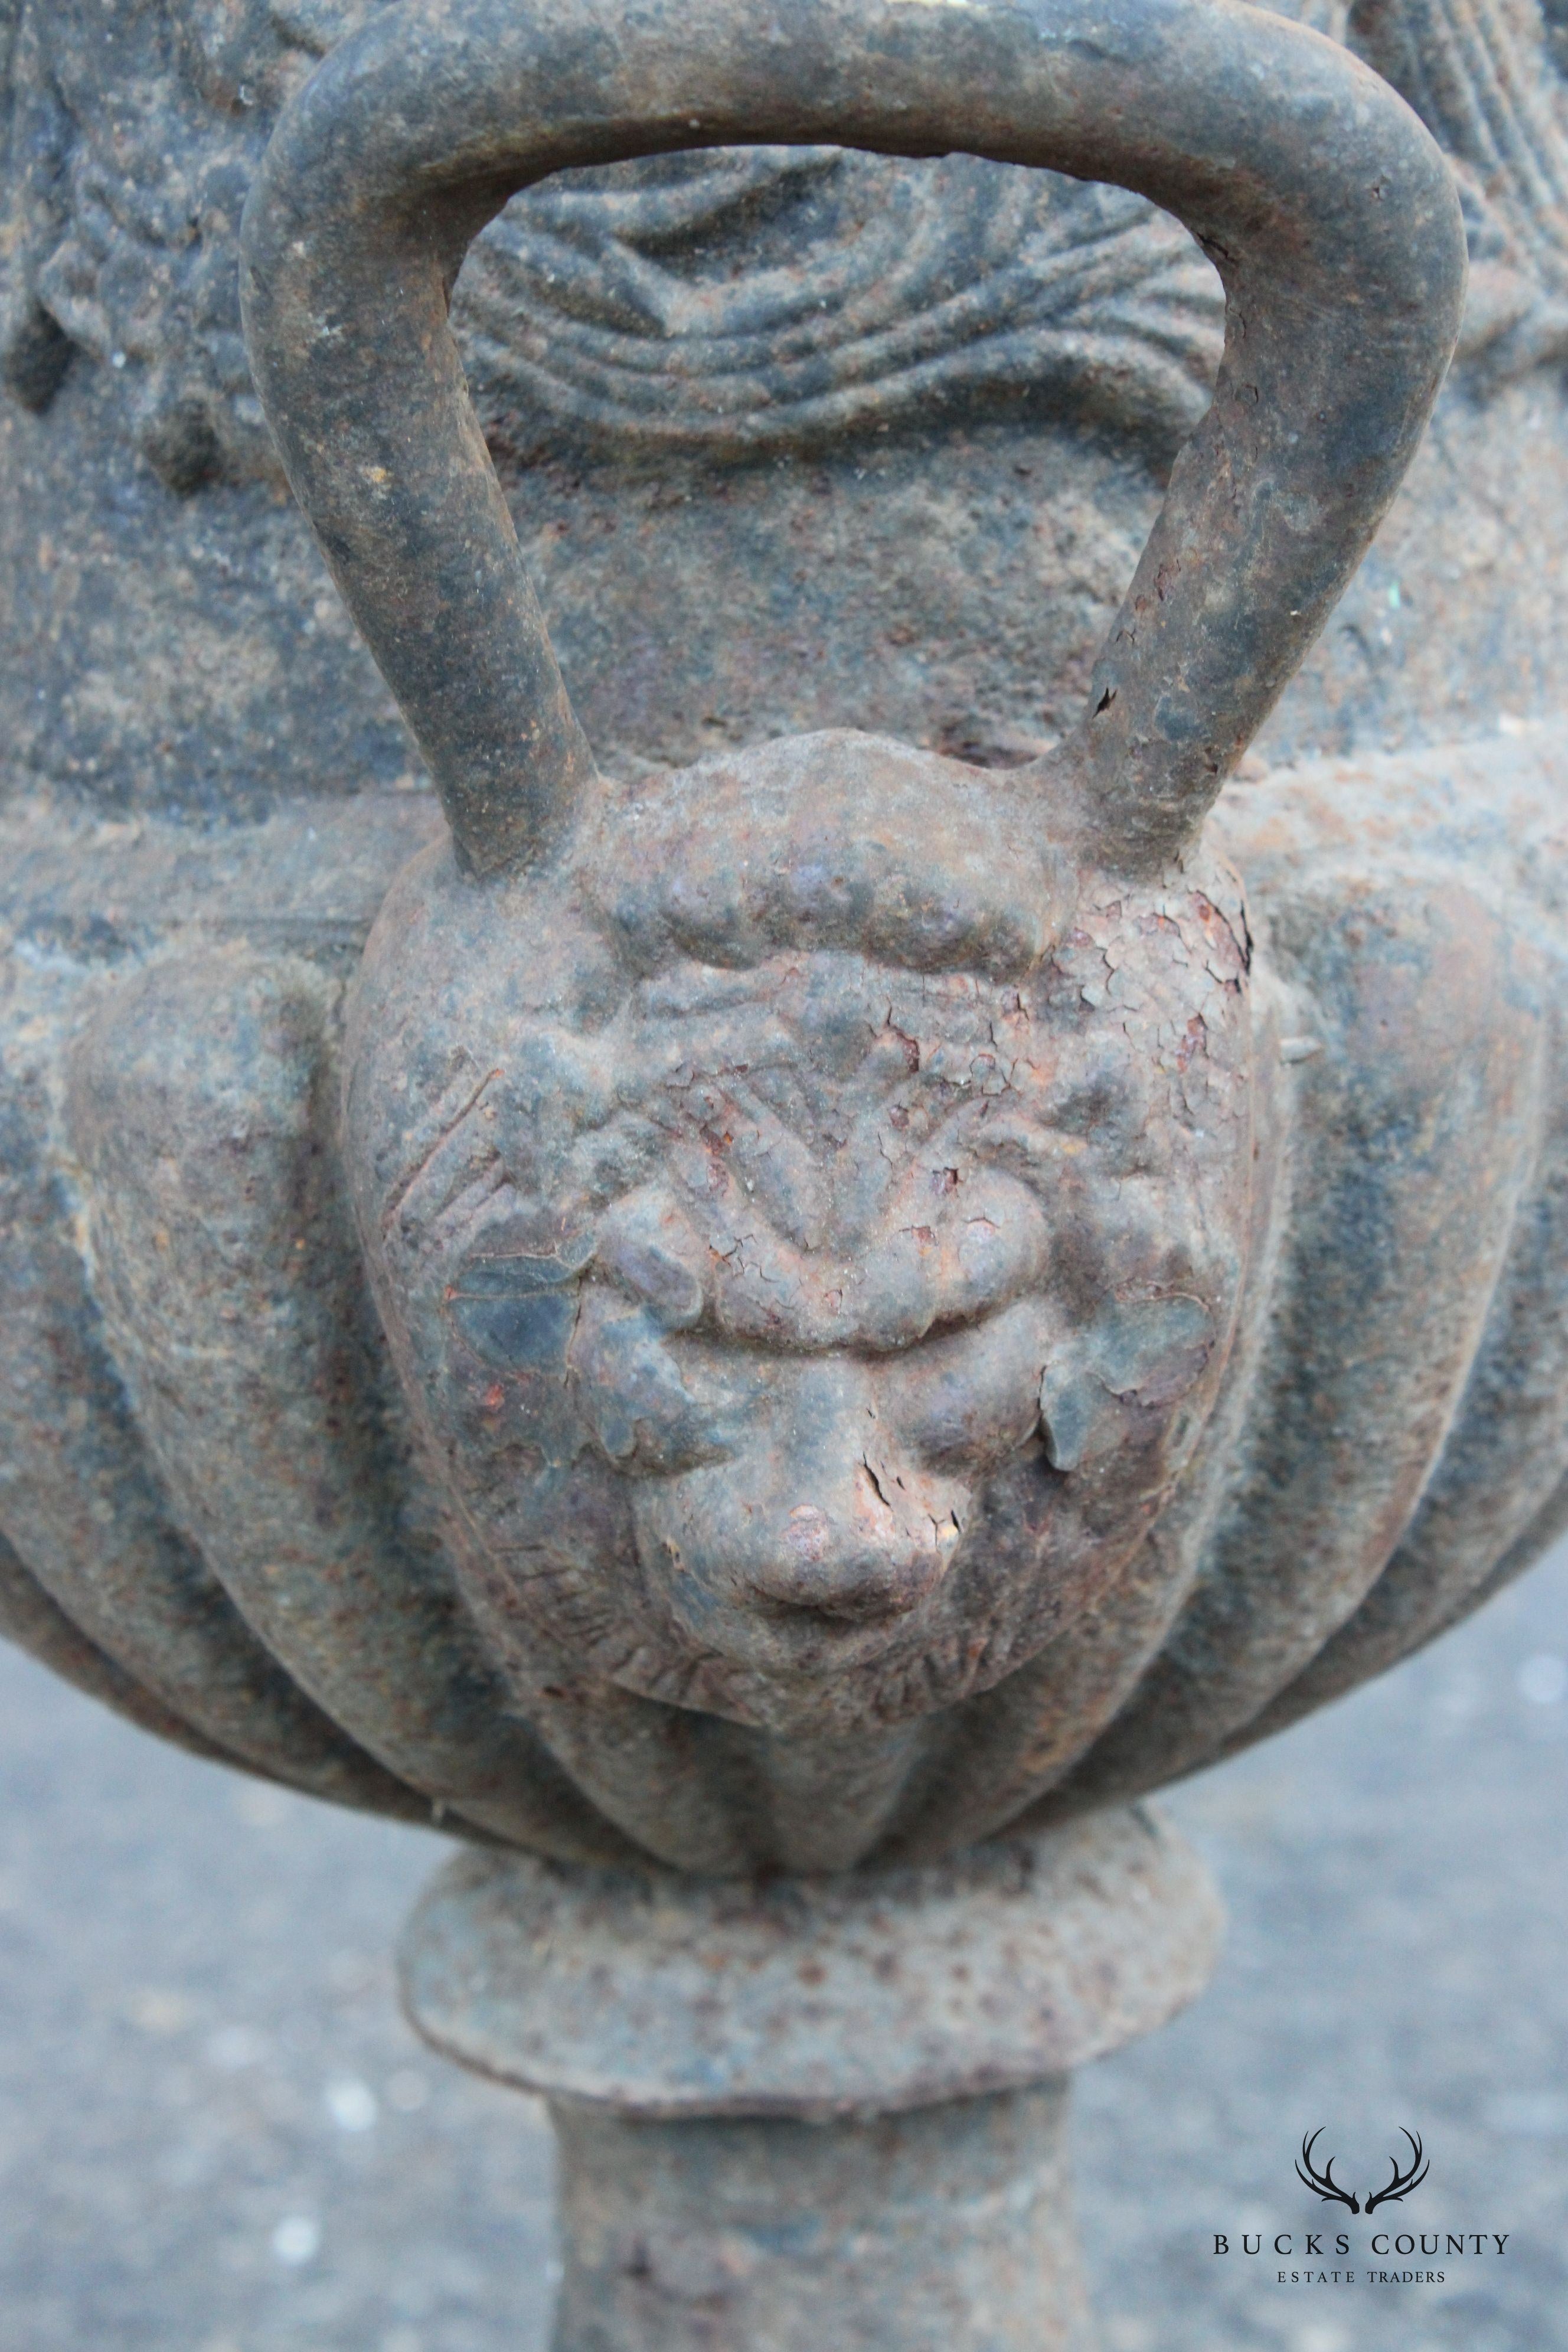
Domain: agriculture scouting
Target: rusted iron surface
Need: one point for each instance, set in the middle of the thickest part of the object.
(950, 2228)
(858, 1995)
(1368, 1548)
(794, 439)
(1341, 249)
(771, 1337)
(853, 1299)
(805, 2108)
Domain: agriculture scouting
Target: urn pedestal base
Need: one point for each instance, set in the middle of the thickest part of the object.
(948, 2226)
(801, 2114)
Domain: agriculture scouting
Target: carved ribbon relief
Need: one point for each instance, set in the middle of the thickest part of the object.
(751, 298)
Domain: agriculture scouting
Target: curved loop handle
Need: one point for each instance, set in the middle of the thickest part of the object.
(1328, 210)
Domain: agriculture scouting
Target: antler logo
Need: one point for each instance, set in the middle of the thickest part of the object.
(1402, 2183)
(1325, 2186)
(1323, 2183)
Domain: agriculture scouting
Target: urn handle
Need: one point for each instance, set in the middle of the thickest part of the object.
(1326, 207)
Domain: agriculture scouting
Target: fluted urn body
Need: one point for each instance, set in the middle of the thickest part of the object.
(807, 1260)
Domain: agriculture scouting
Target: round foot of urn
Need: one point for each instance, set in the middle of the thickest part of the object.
(947, 2229)
(803, 2114)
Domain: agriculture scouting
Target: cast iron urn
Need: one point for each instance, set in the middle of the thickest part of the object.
(771, 1306)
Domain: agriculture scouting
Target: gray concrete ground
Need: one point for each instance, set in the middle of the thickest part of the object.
(217, 2136)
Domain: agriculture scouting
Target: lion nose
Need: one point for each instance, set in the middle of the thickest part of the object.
(855, 1554)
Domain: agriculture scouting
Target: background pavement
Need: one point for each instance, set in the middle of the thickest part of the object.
(216, 2134)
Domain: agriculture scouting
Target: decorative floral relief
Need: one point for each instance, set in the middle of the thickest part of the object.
(739, 300)
(752, 297)
(1486, 76)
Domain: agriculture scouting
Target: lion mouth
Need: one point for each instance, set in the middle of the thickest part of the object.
(803, 1644)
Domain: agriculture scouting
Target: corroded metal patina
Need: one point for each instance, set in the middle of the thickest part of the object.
(825, 1207)
(792, 439)
(895, 1285)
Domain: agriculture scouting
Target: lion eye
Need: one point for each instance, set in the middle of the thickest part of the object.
(973, 1396)
(649, 1249)
(1144, 1354)
(671, 1290)
(517, 1312)
(645, 1414)
(526, 1335)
